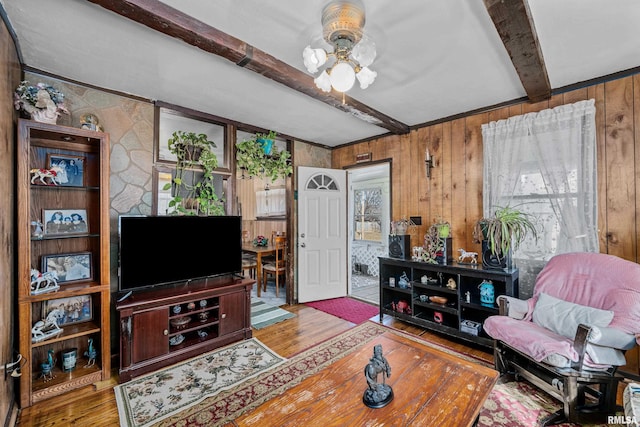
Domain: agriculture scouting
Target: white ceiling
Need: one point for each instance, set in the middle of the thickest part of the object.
(436, 58)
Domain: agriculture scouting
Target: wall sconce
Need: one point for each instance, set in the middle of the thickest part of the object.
(428, 163)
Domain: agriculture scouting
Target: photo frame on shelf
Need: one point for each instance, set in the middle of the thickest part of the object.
(60, 222)
(175, 119)
(71, 172)
(77, 309)
(71, 267)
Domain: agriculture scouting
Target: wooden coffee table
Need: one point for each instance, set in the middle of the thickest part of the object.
(431, 388)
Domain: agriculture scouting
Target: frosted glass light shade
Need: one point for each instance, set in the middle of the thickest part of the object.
(366, 77)
(342, 77)
(364, 52)
(313, 58)
(323, 82)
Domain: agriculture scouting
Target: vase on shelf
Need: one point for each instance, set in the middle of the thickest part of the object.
(45, 116)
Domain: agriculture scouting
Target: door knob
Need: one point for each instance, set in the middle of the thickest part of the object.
(165, 332)
(302, 245)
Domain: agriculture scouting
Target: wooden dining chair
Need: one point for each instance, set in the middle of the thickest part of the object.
(249, 265)
(279, 267)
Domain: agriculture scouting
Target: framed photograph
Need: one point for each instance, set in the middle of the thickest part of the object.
(71, 310)
(64, 221)
(69, 267)
(71, 169)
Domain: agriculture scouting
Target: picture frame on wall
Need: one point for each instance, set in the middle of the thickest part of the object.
(71, 267)
(59, 222)
(71, 172)
(175, 119)
(77, 309)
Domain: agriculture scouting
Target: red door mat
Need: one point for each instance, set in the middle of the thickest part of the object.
(346, 308)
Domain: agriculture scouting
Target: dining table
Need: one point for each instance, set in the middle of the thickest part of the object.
(259, 252)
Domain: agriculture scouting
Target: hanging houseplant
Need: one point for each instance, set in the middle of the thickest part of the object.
(251, 156)
(194, 193)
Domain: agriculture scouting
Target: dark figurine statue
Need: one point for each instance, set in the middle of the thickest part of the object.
(377, 395)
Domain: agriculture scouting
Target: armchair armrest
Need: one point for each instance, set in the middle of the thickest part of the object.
(580, 345)
(513, 307)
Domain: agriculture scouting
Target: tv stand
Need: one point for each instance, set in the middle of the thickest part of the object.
(163, 326)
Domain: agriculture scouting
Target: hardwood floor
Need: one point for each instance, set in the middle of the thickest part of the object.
(95, 406)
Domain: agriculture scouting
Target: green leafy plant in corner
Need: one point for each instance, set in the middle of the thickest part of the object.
(506, 230)
(251, 157)
(198, 196)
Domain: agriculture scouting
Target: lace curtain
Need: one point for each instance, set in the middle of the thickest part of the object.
(544, 164)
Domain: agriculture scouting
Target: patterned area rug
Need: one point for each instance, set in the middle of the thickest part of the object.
(509, 404)
(346, 308)
(151, 398)
(263, 314)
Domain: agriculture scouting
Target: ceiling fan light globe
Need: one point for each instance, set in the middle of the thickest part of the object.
(313, 58)
(323, 82)
(364, 52)
(366, 77)
(342, 77)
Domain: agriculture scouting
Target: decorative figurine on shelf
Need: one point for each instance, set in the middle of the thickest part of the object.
(467, 296)
(467, 257)
(43, 174)
(91, 354)
(43, 282)
(37, 230)
(377, 395)
(46, 368)
(403, 282)
(90, 121)
(451, 284)
(401, 306)
(44, 329)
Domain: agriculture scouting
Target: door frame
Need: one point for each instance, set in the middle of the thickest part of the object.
(385, 242)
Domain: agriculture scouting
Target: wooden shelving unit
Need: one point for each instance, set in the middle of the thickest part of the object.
(451, 315)
(216, 312)
(36, 143)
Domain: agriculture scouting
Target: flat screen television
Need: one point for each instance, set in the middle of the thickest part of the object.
(161, 250)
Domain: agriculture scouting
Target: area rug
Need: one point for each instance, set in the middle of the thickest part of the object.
(148, 399)
(263, 314)
(509, 404)
(346, 308)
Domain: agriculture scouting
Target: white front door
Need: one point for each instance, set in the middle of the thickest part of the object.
(322, 233)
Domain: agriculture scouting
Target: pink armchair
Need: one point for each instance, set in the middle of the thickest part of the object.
(569, 338)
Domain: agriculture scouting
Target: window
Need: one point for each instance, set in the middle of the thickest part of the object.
(367, 214)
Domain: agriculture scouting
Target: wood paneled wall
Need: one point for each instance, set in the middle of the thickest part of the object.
(455, 188)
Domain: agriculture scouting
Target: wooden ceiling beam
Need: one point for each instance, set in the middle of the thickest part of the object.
(174, 23)
(513, 20)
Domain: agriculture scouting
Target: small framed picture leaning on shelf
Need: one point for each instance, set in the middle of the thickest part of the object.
(71, 310)
(59, 222)
(70, 172)
(69, 267)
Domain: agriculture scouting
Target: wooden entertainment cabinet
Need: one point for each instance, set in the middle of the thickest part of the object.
(458, 316)
(154, 331)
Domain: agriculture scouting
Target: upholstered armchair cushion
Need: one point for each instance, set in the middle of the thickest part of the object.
(563, 317)
(598, 290)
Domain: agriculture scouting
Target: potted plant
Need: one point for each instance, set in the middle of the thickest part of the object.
(252, 157)
(198, 195)
(42, 102)
(505, 231)
(443, 226)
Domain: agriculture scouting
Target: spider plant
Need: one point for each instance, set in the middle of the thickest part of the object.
(506, 230)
